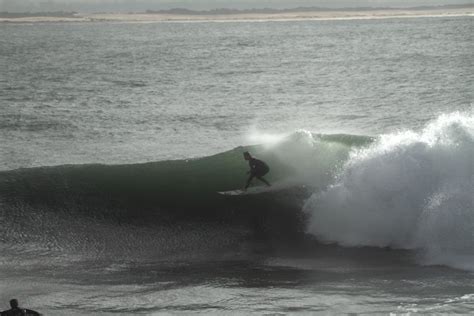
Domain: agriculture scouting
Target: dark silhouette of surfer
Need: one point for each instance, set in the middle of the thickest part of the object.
(257, 170)
(18, 311)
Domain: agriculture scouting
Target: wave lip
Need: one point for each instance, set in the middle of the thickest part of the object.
(410, 190)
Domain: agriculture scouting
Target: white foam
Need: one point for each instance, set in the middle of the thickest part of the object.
(411, 190)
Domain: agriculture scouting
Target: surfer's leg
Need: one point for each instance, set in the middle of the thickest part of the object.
(264, 181)
(249, 180)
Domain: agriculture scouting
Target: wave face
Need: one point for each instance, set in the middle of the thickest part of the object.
(410, 190)
(162, 206)
(186, 185)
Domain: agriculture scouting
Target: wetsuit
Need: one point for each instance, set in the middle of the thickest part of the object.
(258, 168)
(19, 312)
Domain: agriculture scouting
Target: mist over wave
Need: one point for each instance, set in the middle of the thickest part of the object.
(410, 190)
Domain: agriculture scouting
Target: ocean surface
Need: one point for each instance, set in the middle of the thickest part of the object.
(116, 137)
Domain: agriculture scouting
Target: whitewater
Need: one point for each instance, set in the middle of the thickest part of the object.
(116, 138)
(409, 190)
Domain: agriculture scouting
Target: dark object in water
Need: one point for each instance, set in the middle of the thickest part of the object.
(15, 310)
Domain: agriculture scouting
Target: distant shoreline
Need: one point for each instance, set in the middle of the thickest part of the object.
(223, 15)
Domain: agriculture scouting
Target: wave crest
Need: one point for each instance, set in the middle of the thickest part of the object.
(411, 190)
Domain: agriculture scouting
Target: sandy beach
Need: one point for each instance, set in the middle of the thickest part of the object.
(303, 15)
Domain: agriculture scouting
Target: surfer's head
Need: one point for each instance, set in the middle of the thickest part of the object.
(247, 155)
(14, 303)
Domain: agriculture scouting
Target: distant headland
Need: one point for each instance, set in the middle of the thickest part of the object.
(301, 13)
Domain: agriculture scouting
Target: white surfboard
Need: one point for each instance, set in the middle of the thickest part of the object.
(232, 192)
(254, 190)
(259, 189)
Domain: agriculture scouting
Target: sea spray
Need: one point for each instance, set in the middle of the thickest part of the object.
(410, 190)
(312, 159)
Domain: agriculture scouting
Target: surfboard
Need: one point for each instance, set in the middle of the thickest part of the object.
(253, 190)
(232, 192)
(259, 189)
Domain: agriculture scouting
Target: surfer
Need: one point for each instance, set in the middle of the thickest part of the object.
(17, 311)
(258, 169)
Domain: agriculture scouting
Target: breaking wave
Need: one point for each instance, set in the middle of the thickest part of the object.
(409, 190)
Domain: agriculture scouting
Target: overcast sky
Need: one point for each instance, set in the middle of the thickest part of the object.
(141, 5)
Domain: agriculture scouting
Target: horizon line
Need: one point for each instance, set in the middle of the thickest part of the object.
(268, 10)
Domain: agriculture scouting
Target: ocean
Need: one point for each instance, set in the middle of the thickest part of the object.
(116, 138)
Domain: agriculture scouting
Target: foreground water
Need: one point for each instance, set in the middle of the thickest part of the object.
(366, 124)
(342, 283)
